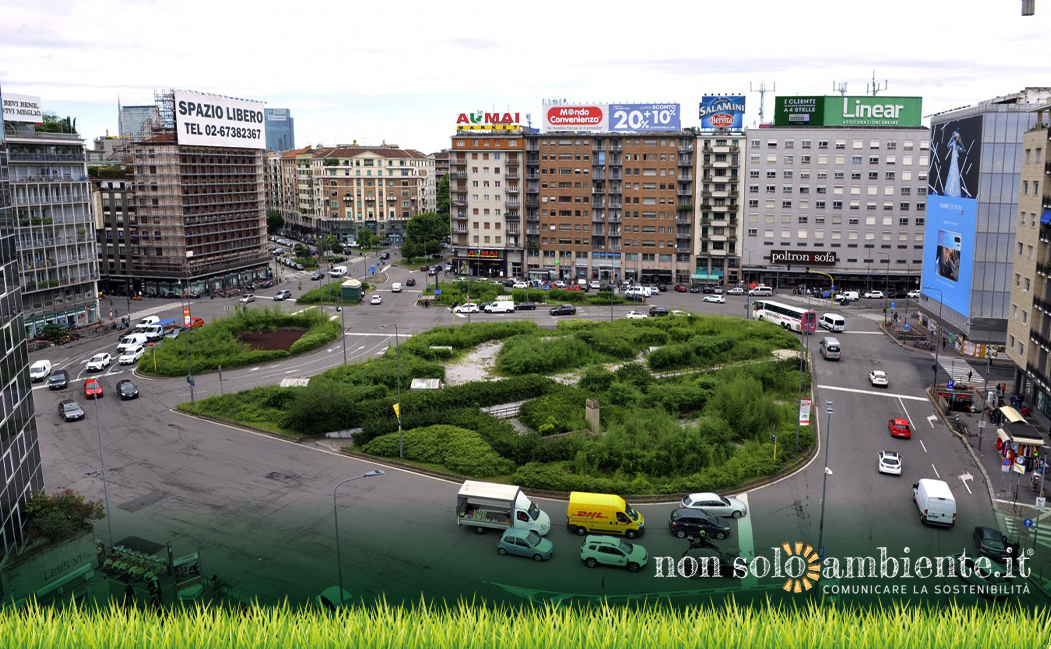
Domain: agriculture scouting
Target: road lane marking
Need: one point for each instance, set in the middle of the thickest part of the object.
(931, 420)
(923, 445)
(873, 392)
(907, 415)
(936, 471)
(964, 478)
(255, 369)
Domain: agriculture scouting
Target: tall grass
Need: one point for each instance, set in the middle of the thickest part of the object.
(542, 627)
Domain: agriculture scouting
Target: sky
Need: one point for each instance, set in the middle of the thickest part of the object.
(401, 71)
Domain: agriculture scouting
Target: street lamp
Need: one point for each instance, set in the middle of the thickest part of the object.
(189, 369)
(937, 347)
(886, 289)
(397, 360)
(335, 519)
(105, 483)
(824, 483)
(342, 325)
(802, 366)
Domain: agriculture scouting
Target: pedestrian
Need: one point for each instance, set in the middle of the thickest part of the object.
(129, 597)
(943, 343)
(969, 373)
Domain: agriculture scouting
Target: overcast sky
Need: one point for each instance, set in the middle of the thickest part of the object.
(401, 71)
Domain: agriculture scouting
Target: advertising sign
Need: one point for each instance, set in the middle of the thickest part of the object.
(22, 108)
(948, 250)
(804, 411)
(848, 111)
(594, 117)
(722, 111)
(799, 111)
(955, 158)
(483, 254)
(212, 120)
(643, 117)
(483, 121)
(806, 257)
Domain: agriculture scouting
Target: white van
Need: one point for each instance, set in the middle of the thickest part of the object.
(501, 306)
(830, 348)
(762, 291)
(395, 287)
(131, 341)
(936, 502)
(338, 271)
(39, 371)
(148, 320)
(833, 322)
(153, 333)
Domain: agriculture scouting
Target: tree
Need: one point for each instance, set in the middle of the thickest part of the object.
(52, 124)
(62, 513)
(443, 197)
(330, 242)
(427, 227)
(410, 250)
(432, 247)
(274, 221)
(366, 239)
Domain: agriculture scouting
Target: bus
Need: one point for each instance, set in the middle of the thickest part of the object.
(789, 317)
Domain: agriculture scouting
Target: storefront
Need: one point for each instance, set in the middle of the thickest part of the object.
(1020, 448)
(480, 262)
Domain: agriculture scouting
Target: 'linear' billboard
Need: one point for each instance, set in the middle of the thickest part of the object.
(848, 111)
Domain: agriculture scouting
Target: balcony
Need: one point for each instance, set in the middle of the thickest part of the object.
(532, 189)
(599, 201)
(684, 220)
(458, 175)
(1042, 268)
(512, 215)
(685, 148)
(511, 173)
(1037, 374)
(598, 174)
(512, 202)
(1044, 343)
(721, 165)
(535, 231)
(512, 189)
(722, 194)
(685, 190)
(686, 161)
(532, 145)
(533, 201)
(458, 202)
(532, 175)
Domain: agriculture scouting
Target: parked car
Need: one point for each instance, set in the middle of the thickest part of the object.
(737, 290)
(410, 282)
(520, 285)
(595, 285)
(889, 462)
(70, 410)
(695, 288)
(990, 542)
(385, 256)
(92, 388)
(564, 309)
(99, 362)
(59, 380)
(283, 295)
(899, 428)
(718, 299)
(131, 356)
(685, 522)
(470, 307)
(897, 295)
(425, 268)
(657, 311)
(196, 322)
(636, 315)
(524, 543)
(663, 288)
(611, 551)
(246, 299)
(431, 272)
(913, 294)
(174, 333)
(717, 290)
(873, 295)
(127, 390)
(319, 275)
(877, 377)
(634, 297)
(376, 299)
(708, 288)
(525, 306)
(713, 503)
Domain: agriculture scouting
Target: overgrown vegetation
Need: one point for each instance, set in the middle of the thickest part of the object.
(60, 515)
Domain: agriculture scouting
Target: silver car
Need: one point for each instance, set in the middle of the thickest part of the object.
(713, 503)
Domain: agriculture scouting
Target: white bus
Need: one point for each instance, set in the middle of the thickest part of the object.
(789, 317)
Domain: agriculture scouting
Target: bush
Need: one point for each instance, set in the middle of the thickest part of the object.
(670, 357)
(530, 355)
(562, 410)
(262, 406)
(327, 405)
(457, 449)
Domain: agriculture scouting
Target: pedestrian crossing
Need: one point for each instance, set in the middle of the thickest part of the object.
(959, 370)
(1015, 530)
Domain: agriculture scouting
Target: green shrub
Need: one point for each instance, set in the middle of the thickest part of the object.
(457, 449)
(327, 405)
(530, 355)
(596, 379)
(670, 357)
(563, 407)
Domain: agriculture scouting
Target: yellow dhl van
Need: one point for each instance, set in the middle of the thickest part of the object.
(602, 514)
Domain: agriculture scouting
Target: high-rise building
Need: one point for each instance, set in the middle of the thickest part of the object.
(55, 228)
(972, 217)
(137, 121)
(20, 471)
(837, 185)
(718, 207)
(1029, 318)
(280, 129)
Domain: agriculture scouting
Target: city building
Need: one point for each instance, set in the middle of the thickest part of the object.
(441, 164)
(114, 203)
(837, 185)
(972, 214)
(718, 207)
(280, 129)
(1029, 320)
(108, 148)
(20, 472)
(54, 228)
(137, 121)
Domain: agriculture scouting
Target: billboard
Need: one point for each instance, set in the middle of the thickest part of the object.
(722, 111)
(594, 117)
(212, 120)
(803, 257)
(955, 157)
(948, 251)
(848, 111)
(625, 118)
(22, 108)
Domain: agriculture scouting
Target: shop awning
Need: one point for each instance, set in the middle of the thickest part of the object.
(1003, 437)
(706, 275)
(1045, 218)
(1027, 439)
(1011, 415)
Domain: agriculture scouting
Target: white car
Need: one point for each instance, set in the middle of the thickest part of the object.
(718, 299)
(520, 285)
(246, 299)
(470, 307)
(889, 462)
(560, 284)
(677, 312)
(877, 377)
(376, 299)
(131, 356)
(874, 295)
(713, 503)
(636, 315)
(594, 285)
(611, 551)
(99, 362)
(736, 291)
(913, 294)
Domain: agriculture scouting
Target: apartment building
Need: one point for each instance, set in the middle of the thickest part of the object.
(114, 206)
(835, 190)
(718, 207)
(20, 472)
(1029, 319)
(54, 227)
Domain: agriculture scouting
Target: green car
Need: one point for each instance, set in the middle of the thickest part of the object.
(524, 543)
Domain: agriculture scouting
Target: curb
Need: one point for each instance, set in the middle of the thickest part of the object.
(974, 455)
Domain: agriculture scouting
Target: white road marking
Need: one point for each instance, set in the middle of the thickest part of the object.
(351, 333)
(290, 371)
(936, 471)
(907, 416)
(931, 420)
(924, 446)
(862, 333)
(255, 369)
(873, 392)
(964, 478)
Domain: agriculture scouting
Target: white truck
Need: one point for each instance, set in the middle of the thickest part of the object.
(485, 505)
(502, 305)
(936, 502)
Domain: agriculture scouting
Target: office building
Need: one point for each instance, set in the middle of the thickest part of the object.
(972, 217)
(137, 121)
(280, 129)
(718, 206)
(1029, 319)
(20, 472)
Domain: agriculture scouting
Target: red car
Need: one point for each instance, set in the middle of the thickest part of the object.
(899, 428)
(425, 268)
(410, 282)
(92, 389)
(573, 287)
(196, 322)
(679, 288)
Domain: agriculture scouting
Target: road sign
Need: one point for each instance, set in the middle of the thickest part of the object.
(1006, 468)
(1008, 463)
(894, 305)
(951, 384)
(437, 292)
(1028, 522)
(1040, 502)
(419, 296)
(189, 379)
(906, 327)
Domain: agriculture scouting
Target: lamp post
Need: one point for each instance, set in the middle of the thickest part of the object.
(985, 395)
(105, 483)
(886, 288)
(189, 369)
(397, 360)
(335, 520)
(342, 326)
(802, 368)
(127, 285)
(937, 346)
(824, 484)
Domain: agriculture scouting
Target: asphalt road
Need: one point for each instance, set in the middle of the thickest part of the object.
(260, 510)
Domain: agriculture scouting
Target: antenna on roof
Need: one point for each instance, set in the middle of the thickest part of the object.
(762, 90)
(841, 88)
(874, 88)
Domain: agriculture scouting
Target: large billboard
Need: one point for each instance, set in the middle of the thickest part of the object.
(212, 120)
(955, 155)
(22, 108)
(722, 111)
(611, 118)
(848, 111)
(948, 251)
(565, 117)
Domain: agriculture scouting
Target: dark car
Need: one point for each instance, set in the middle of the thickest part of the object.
(656, 311)
(564, 309)
(679, 288)
(58, 380)
(692, 522)
(990, 542)
(898, 295)
(425, 268)
(70, 410)
(265, 284)
(318, 275)
(385, 255)
(694, 288)
(410, 282)
(607, 287)
(663, 288)
(525, 306)
(708, 288)
(634, 297)
(127, 390)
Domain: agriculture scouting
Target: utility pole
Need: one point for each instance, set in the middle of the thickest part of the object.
(762, 90)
